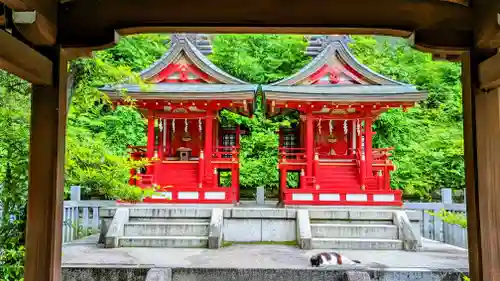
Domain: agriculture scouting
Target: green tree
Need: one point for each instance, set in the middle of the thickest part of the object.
(428, 139)
(14, 140)
(259, 59)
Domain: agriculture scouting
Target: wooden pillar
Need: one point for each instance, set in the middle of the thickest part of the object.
(482, 166)
(160, 139)
(309, 144)
(283, 177)
(151, 135)
(237, 137)
(46, 175)
(353, 137)
(151, 140)
(368, 146)
(209, 120)
(359, 139)
(168, 137)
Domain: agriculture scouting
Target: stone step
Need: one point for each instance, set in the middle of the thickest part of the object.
(167, 228)
(168, 220)
(173, 212)
(357, 244)
(164, 242)
(351, 214)
(363, 222)
(321, 230)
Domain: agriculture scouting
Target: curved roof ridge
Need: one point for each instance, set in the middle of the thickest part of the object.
(183, 43)
(336, 44)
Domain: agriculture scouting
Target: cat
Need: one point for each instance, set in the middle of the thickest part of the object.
(331, 258)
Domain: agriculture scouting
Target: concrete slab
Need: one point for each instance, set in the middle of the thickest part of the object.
(434, 255)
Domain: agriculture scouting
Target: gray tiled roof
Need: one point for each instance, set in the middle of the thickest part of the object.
(181, 91)
(348, 93)
(184, 43)
(327, 46)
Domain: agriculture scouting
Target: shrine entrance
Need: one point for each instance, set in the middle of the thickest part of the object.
(337, 99)
(193, 158)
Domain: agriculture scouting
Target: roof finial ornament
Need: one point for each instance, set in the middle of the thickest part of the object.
(318, 43)
(200, 41)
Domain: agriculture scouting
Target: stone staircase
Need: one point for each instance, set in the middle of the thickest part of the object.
(316, 228)
(164, 228)
(355, 229)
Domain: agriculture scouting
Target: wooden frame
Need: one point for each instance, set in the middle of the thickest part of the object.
(446, 28)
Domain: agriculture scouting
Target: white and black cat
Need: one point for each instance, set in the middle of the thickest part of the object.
(331, 258)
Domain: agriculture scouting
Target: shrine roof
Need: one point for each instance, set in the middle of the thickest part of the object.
(333, 51)
(182, 91)
(334, 74)
(341, 93)
(193, 47)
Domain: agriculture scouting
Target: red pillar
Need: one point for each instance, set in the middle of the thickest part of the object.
(368, 146)
(168, 136)
(151, 140)
(161, 128)
(201, 168)
(238, 132)
(208, 142)
(359, 139)
(309, 144)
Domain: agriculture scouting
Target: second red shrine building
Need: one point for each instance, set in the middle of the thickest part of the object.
(330, 148)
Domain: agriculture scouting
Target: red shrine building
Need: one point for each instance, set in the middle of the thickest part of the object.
(187, 145)
(337, 99)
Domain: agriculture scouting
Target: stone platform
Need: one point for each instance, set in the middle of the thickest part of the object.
(84, 260)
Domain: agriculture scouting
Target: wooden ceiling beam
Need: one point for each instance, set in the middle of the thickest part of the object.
(487, 33)
(441, 43)
(23, 61)
(35, 27)
(18, 5)
(388, 17)
(35, 20)
(489, 73)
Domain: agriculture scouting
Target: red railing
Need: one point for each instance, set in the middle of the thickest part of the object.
(225, 153)
(292, 154)
(361, 163)
(326, 155)
(381, 153)
(137, 152)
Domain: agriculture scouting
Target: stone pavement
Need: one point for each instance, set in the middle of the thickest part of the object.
(434, 255)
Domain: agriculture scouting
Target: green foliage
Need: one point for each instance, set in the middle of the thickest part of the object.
(451, 217)
(14, 140)
(428, 139)
(259, 58)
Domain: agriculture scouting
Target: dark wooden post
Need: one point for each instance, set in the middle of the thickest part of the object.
(469, 88)
(46, 175)
(482, 162)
